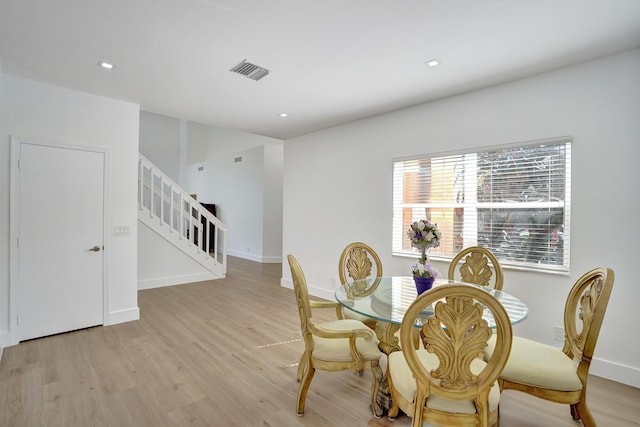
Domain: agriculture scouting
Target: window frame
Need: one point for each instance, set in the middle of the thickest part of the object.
(563, 207)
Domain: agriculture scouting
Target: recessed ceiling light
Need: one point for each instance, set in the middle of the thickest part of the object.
(283, 114)
(432, 63)
(106, 65)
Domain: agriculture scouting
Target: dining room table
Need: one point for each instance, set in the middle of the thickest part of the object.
(386, 299)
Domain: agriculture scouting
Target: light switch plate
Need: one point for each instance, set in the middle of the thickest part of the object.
(121, 230)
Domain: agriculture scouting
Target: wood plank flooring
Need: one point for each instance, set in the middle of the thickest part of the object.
(220, 353)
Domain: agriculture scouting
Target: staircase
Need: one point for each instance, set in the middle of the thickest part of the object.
(171, 212)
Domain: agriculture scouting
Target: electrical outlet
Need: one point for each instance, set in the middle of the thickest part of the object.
(558, 333)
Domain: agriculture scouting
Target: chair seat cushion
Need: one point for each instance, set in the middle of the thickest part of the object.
(337, 349)
(405, 384)
(539, 365)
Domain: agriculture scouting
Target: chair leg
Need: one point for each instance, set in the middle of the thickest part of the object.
(579, 411)
(418, 408)
(392, 414)
(304, 388)
(574, 412)
(301, 366)
(394, 409)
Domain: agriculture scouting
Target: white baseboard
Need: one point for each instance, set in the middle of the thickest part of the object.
(314, 291)
(121, 316)
(615, 372)
(255, 257)
(244, 255)
(175, 280)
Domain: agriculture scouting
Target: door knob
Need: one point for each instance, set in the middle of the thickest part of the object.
(95, 249)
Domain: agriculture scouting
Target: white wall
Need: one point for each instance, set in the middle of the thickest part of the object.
(40, 112)
(160, 263)
(219, 142)
(158, 142)
(246, 201)
(163, 141)
(247, 195)
(337, 188)
(197, 143)
(272, 220)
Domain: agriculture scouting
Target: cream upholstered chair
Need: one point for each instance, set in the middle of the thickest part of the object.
(447, 383)
(561, 375)
(478, 265)
(359, 261)
(331, 346)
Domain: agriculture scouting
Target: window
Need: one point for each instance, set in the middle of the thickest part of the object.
(513, 200)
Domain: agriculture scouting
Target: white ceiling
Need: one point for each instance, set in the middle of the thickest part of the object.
(331, 61)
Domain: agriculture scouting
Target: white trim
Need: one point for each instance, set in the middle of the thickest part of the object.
(318, 292)
(255, 257)
(286, 283)
(494, 147)
(166, 227)
(615, 371)
(244, 255)
(175, 280)
(121, 316)
(14, 225)
(448, 178)
(106, 232)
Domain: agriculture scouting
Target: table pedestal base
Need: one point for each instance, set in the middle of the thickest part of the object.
(388, 343)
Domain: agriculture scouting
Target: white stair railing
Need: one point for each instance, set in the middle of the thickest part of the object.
(169, 210)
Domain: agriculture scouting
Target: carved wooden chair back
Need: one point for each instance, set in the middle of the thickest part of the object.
(583, 315)
(359, 261)
(478, 265)
(561, 377)
(447, 382)
(302, 298)
(334, 345)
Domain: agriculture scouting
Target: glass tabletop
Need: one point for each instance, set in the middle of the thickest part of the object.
(388, 298)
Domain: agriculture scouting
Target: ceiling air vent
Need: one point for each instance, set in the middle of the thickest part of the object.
(250, 70)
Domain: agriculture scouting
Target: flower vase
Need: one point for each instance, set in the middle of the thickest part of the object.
(423, 283)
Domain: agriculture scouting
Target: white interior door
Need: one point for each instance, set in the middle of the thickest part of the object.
(60, 243)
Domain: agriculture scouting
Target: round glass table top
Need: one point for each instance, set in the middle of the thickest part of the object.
(388, 298)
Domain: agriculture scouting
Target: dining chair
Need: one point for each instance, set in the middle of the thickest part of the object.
(478, 265)
(336, 345)
(358, 261)
(445, 381)
(561, 375)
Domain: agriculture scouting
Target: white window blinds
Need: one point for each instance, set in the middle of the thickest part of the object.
(513, 200)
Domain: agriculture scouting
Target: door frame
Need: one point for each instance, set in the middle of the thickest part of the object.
(14, 226)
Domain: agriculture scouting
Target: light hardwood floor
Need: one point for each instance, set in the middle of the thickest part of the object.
(220, 353)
